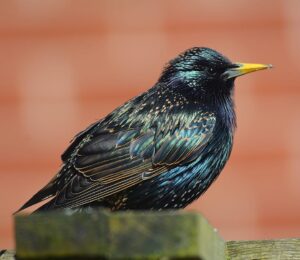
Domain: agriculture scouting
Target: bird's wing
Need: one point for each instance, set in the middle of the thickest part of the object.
(115, 160)
(104, 161)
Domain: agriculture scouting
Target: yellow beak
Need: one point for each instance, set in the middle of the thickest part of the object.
(240, 69)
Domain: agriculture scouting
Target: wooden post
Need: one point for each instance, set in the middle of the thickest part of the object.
(130, 235)
(135, 235)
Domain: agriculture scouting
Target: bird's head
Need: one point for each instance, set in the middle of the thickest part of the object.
(205, 72)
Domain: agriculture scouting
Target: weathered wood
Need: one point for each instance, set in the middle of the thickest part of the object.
(7, 255)
(282, 249)
(59, 234)
(136, 235)
(129, 235)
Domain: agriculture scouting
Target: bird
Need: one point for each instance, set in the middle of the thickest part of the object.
(158, 151)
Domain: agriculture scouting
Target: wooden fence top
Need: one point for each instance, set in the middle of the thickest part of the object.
(135, 235)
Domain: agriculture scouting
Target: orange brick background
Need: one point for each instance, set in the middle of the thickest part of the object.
(64, 64)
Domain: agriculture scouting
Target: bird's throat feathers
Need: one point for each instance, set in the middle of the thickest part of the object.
(225, 109)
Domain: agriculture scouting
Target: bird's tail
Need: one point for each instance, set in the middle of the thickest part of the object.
(47, 192)
(46, 207)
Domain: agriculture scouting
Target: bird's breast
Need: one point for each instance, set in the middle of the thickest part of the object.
(179, 186)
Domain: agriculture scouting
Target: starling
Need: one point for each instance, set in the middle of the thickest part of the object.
(161, 149)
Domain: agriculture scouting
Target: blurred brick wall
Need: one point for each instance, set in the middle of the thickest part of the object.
(65, 64)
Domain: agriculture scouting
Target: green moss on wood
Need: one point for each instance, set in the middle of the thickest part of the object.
(136, 235)
(59, 234)
(131, 235)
